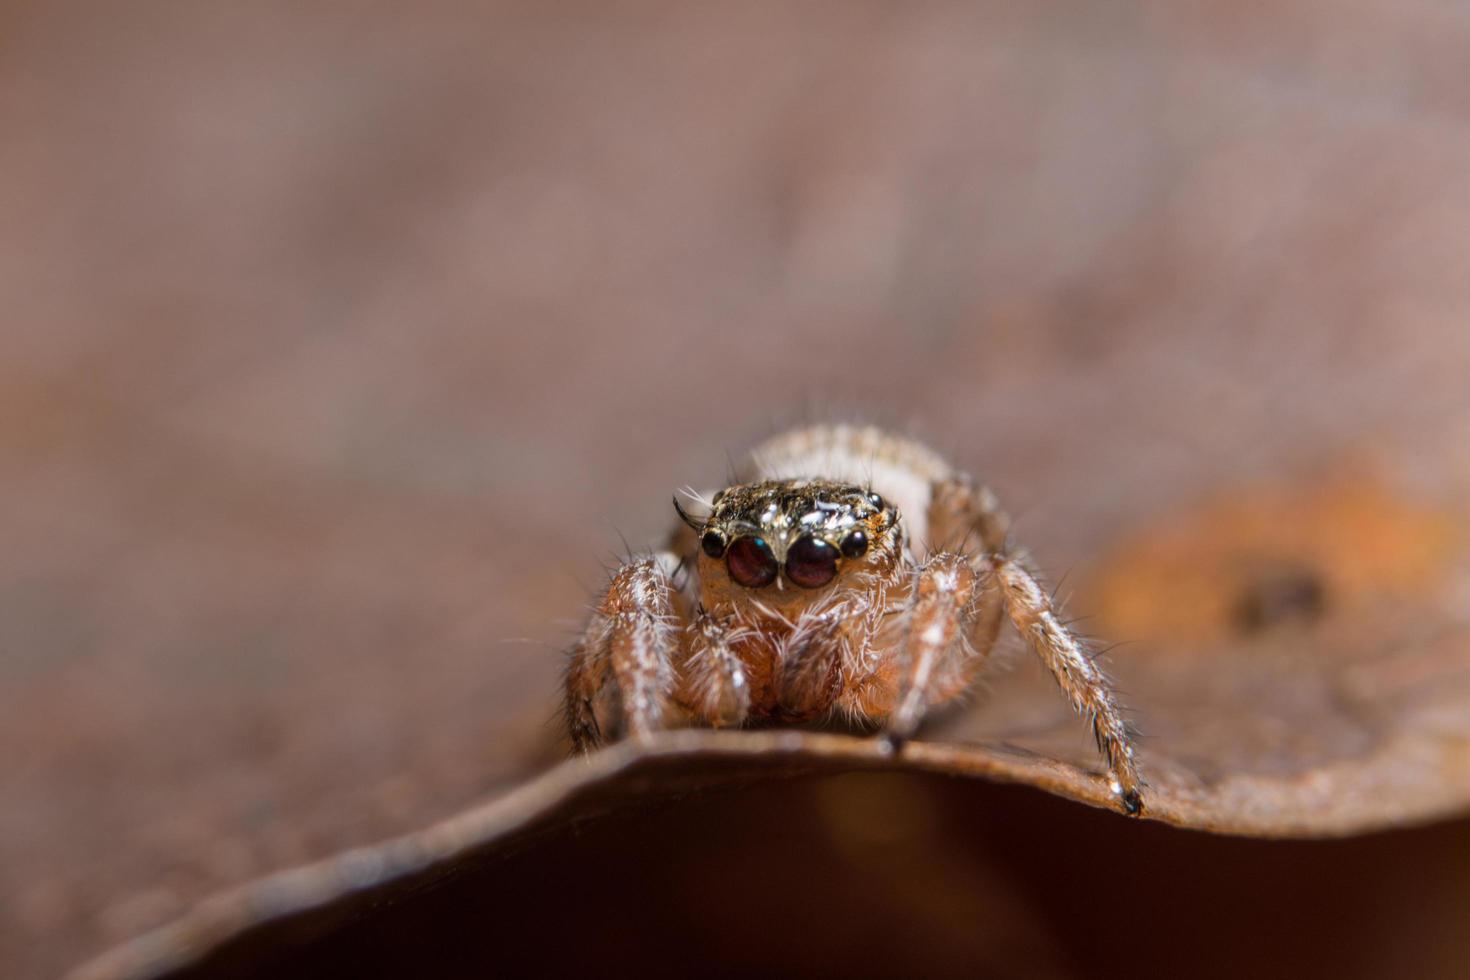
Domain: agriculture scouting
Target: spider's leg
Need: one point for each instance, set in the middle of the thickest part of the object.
(588, 671)
(1031, 612)
(937, 648)
(961, 511)
(715, 686)
(634, 635)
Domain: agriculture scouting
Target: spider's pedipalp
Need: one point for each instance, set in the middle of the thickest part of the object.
(811, 662)
(719, 690)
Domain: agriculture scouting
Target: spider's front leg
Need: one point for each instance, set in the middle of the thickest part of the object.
(960, 507)
(949, 628)
(632, 640)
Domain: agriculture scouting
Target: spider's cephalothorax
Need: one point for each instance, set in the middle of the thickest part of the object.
(795, 533)
(797, 595)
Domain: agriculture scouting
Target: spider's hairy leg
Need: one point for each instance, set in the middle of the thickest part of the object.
(715, 686)
(587, 673)
(960, 509)
(936, 647)
(1031, 612)
(634, 636)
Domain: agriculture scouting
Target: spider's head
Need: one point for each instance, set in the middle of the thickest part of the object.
(807, 534)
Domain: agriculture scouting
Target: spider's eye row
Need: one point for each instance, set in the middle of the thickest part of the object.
(751, 563)
(811, 562)
(713, 543)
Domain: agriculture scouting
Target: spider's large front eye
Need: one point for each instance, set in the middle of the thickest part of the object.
(811, 562)
(751, 563)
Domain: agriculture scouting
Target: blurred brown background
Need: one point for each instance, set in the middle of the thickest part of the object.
(341, 344)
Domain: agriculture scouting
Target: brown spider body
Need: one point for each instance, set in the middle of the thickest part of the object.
(800, 594)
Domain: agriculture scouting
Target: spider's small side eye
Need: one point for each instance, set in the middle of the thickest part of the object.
(713, 543)
(811, 562)
(751, 563)
(855, 545)
(877, 500)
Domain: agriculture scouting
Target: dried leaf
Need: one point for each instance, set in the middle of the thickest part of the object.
(1344, 714)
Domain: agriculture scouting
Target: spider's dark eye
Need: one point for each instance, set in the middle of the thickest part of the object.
(811, 562)
(855, 545)
(713, 543)
(751, 563)
(877, 501)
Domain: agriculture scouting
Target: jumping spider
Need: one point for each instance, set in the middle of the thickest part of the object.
(798, 594)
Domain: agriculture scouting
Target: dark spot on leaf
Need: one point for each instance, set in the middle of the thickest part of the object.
(1281, 596)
